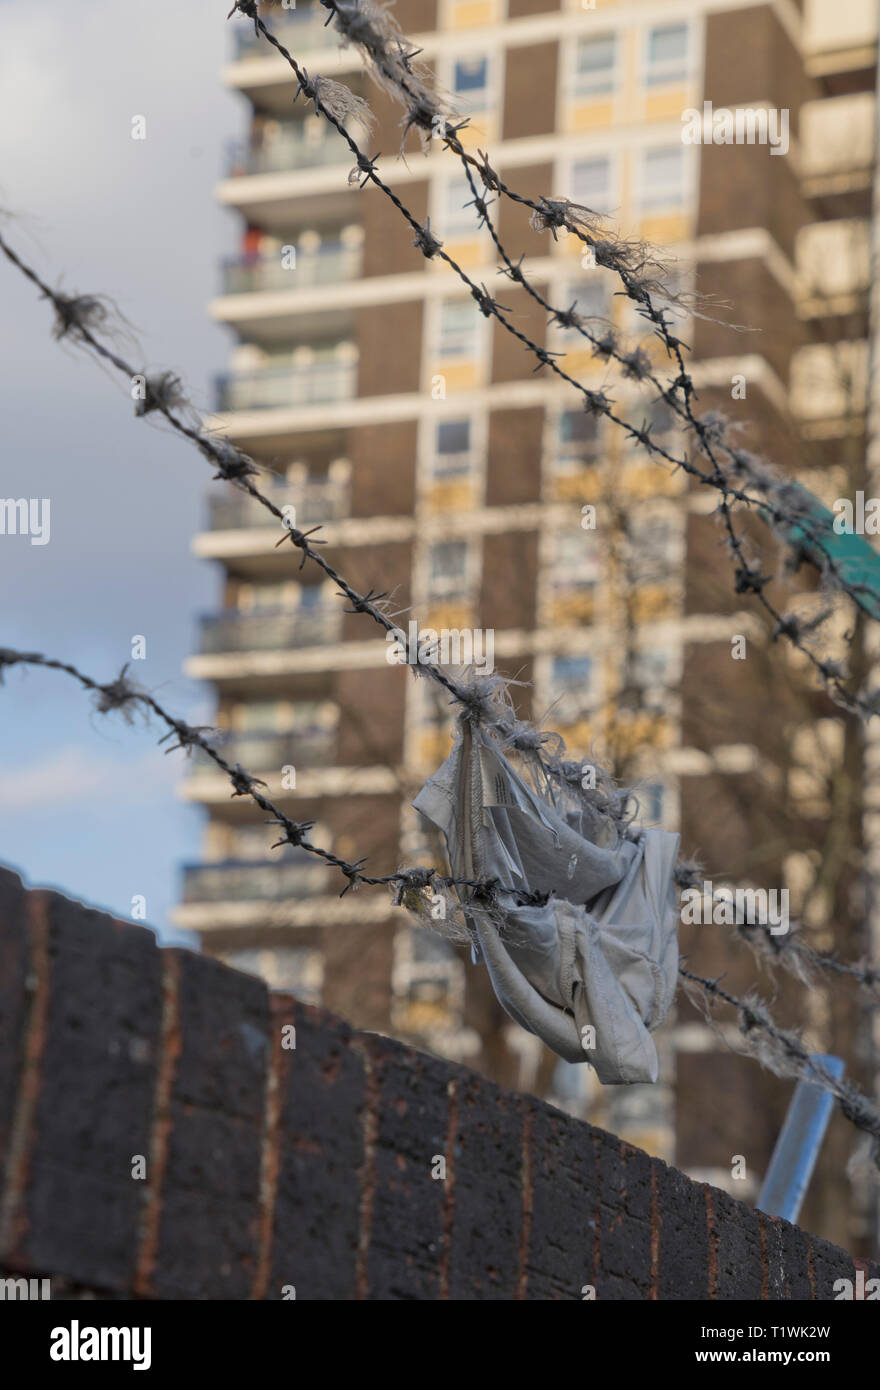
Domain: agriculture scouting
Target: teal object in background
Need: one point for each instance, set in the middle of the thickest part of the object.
(856, 561)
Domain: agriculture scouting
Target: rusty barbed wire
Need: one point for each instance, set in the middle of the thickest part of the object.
(80, 318)
(390, 55)
(124, 695)
(779, 1050)
(783, 1051)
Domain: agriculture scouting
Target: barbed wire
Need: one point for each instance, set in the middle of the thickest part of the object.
(787, 948)
(79, 315)
(125, 695)
(781, 1051)
(390, 58)
(784, 1052)
(79, 318)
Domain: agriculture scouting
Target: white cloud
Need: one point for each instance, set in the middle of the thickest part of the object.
(76, 776)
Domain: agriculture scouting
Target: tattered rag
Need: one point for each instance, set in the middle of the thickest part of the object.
(593, 971)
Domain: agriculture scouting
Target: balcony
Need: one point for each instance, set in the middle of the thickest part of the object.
(291, 148)
(301, 31)
(299, 875)
(270, 629)
(329, 263)
(274, 388)
(315, 504)
(261, 751)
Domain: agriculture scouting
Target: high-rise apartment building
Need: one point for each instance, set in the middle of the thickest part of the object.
(445, 470)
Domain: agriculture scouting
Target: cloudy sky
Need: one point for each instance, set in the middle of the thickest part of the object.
(87, 804)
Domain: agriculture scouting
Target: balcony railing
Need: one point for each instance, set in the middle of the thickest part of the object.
(240, 880)
(290, 149)
(332, 261)
(270, 629)
(300, 30)
(273, 388)
(315, 503)
(263, 751)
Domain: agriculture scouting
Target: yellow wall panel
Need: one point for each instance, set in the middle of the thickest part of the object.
(459, 376)
(666, 105)
(446, 497)
(589, 115)
(664, 230)
(473, 14)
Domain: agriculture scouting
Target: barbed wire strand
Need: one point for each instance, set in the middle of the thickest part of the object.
(125, 695)
(76, 318)
(784, 1052)
(364, 26)
(781, 1051)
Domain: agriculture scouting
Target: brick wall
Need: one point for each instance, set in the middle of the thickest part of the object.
(161, 1138)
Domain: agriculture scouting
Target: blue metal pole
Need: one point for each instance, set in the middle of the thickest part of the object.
(797, 1148)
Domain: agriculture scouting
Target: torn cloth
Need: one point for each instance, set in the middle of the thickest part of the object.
(602, 954)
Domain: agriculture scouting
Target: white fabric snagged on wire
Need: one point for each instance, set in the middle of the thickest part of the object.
(603, 952)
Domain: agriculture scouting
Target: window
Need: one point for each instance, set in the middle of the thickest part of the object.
(448, 569)
(595, 64)
(661, 425)
(575, 560)
(646, 678)
(459, 331)
(252, 842)
(591, 183)
(273, 716)
(577, 438)
(259, 716)
(662, 178)
(268, 595)
(667, 55)
(310, 596)
(591, 299)
(651, 551)
(470, 84)
(452, 448)
(648, 670)
(571, 693)
(458, 217)
(454, 437)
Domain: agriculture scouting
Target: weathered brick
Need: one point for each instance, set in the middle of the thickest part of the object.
(684, 1238)
(563, 1206)
(738, 1248)
(829, 1263)
(624, 1234)
(487, 1225)
(209, 1202)
(13, 1002)
(793, 1274)
(410, 1093)
(79, 1206)
(314, 1167)
(321, 1153)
